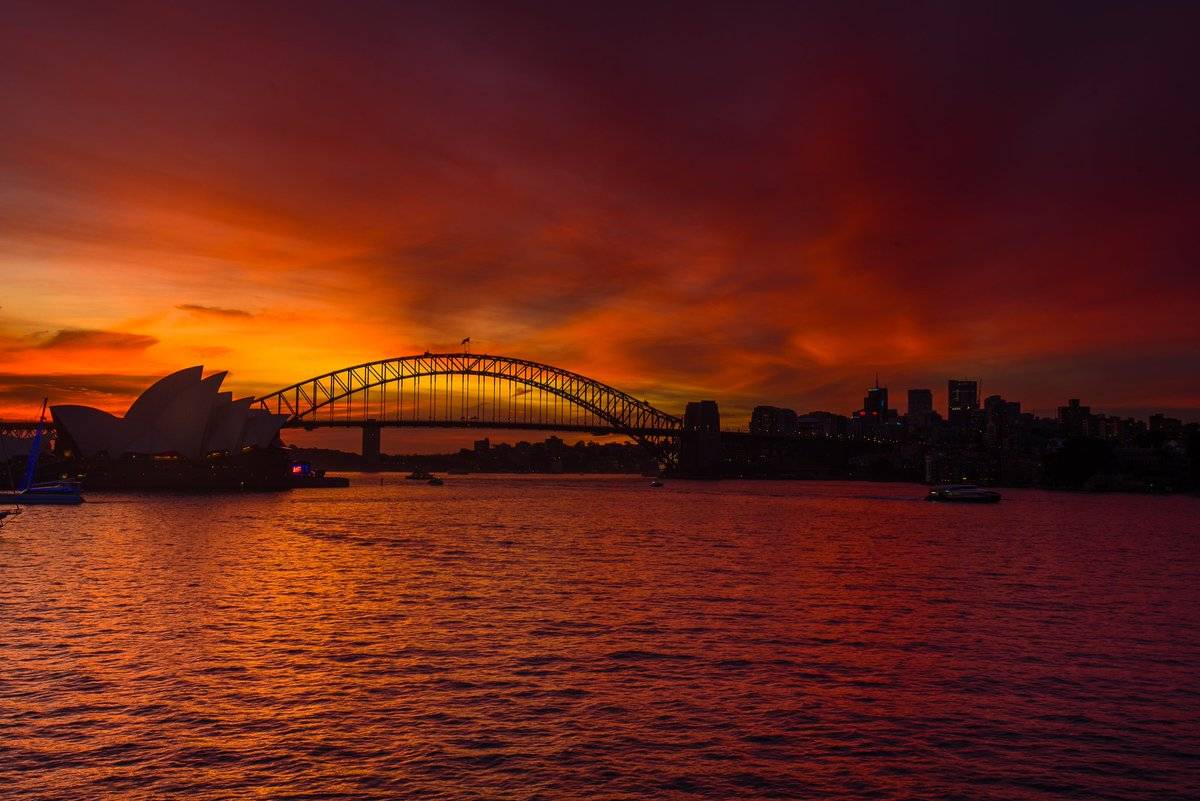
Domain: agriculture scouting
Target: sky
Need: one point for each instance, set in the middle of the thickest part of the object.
(751, 202)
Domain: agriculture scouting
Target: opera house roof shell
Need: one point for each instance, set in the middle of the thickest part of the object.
(183, 414)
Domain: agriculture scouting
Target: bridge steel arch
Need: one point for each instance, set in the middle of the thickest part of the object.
(360, 396)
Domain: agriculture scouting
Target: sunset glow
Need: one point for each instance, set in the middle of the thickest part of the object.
(678, 205)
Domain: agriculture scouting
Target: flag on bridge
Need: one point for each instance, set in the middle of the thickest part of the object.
(465, 341)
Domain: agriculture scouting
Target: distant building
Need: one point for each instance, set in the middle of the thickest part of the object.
(822, 424)
(1167, 427)
(921, 416)
(874, 417)
(875, 404)
(1128, 430)
(962, 401)
(1002, 421)
(997, 405)
(700, 440)
(1074, 420)
(762, 420)
(920, 402)
(702, 415)
(772, 420)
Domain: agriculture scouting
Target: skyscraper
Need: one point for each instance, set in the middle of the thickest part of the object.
(920, 402)
(920, 411)
(875, 404)
(962, 400)
(1074, 420)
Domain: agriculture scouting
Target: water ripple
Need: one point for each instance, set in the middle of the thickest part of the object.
(587, 638)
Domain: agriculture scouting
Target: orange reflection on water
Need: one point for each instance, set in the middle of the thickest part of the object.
(578, 636)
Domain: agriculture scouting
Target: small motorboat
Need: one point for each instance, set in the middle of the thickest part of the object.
(656, 483)
(962, 493)
(419, 475)
(435, 482)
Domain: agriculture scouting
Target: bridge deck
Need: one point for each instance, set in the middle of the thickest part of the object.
(309, 425)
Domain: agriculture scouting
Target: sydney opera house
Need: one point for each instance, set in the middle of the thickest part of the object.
(183, 432)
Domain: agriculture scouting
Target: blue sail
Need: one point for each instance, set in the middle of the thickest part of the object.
(34, 451)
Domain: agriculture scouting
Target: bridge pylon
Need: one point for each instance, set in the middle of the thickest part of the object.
(371, 437)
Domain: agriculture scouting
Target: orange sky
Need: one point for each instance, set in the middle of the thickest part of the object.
(760, 204)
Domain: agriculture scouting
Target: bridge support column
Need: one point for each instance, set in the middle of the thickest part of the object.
(371, 435)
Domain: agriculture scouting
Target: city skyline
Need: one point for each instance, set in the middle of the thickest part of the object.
(762, 205)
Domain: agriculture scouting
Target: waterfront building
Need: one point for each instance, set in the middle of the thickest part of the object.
(772, 420)
(702, 416)
(822, 424)
(700, 440)
(182, 416)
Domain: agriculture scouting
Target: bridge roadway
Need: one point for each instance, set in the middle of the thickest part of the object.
(310, 425)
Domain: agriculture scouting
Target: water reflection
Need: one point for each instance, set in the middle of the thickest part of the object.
(509, 637)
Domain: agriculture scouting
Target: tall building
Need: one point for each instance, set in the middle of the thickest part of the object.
(700, 440)
(920, 410)
(1002, 420)
(920, 402)
(875, 404)
(1075, 420)
(962, 401)
(703, 416)
(762, 420)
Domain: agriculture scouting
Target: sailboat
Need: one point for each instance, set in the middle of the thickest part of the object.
(55, 493)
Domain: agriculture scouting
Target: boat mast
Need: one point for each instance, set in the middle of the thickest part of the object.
(34, 450)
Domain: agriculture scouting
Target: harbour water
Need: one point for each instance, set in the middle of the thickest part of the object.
(571, 637)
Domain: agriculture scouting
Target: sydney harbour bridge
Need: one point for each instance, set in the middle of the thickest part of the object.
(464, 390)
